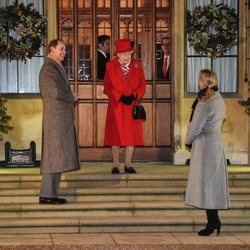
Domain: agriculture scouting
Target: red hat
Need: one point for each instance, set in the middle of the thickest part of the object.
(123, 45)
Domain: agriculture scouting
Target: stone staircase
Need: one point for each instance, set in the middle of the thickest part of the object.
(97, 202)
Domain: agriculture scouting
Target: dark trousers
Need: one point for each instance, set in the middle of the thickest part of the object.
(50, 185)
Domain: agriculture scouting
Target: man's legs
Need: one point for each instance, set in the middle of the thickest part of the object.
(50, 188)
(50, 185)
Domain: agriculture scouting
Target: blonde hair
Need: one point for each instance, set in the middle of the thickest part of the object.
(210, 80)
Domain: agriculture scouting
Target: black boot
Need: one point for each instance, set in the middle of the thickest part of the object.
(213, 222)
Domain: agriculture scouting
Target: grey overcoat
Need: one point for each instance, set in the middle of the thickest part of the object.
(207, 186)
(59, 145)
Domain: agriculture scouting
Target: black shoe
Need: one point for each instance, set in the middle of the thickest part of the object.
(129, 170)
(115, 170)
(209, 230)
(53, 201)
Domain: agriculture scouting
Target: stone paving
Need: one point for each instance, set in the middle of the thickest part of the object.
(125, 241)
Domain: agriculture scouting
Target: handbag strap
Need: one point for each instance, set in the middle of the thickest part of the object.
(137, 102)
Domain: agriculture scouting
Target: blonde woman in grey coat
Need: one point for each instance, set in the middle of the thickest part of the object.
(207, 186)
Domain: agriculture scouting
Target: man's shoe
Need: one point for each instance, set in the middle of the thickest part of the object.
(53, 201)
(129, 170)
(115, 170)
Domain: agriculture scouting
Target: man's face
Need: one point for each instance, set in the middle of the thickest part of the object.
(59, 52)
(165, 46)
(105, 47)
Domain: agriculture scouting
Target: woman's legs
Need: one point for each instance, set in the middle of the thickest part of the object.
(213, 222)
(213, 217)
(116, 156)
(129, 155)
(116, 159)
(128, 159)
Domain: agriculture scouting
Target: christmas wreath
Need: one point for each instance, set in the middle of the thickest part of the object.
(212, 29)
(22, 32)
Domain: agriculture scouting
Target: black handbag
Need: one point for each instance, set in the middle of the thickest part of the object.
(139, 112)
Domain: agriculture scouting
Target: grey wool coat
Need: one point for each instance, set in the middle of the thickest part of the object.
(59, 145)
(207, 186)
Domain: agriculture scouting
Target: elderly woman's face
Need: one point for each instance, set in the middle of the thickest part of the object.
(125, 57)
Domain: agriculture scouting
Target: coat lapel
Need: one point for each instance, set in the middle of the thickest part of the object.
(62, 72)
(133, 66)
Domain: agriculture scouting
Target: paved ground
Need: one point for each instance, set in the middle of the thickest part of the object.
(125, 241)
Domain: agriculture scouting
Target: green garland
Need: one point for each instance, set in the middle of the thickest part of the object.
(212, 29)
(4, 118)
(22, 32)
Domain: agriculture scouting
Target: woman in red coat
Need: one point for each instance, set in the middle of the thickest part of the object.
(124, 83)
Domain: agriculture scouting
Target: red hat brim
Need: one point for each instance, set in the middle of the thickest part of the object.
(124, 50)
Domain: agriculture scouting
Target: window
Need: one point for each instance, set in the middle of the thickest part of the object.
(80, 34)
(16, 76)
(226, 67)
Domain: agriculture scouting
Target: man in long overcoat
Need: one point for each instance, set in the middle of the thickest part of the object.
(59, 145)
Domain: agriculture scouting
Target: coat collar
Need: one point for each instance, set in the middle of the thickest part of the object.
(60, 69)
(132, 68)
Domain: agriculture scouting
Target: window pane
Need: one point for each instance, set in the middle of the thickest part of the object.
(66, 33)
(228, 80)
(225, 66)
(103, 4)
(162, 3)
(65, 4)
(102, 41)
(144, 32)
(84, 49)
(191, 4)
(103, 24)
(8, 77)
(163, 45)
(126, 3)
(84, 4)
(126, 26)
(69, 62)
(126, 19)
(28, 73)
(194, 65)
(18, 77)
(230, 3)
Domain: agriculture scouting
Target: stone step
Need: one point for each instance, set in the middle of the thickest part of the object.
(113, 194)
(83, 209)
(122, 180)
(103, 194)
(102, 202)
(118, 224)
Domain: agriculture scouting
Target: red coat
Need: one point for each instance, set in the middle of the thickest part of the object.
(121, 129)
